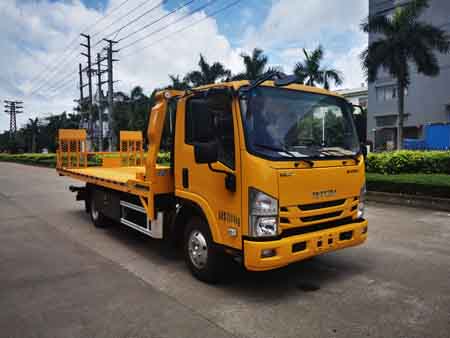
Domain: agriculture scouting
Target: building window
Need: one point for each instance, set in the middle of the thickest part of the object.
(386, 93)
(386, 121)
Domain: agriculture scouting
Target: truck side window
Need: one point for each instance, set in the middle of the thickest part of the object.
(168, 134)
(211, 119)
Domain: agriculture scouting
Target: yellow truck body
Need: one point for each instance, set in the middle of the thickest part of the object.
(267, 207)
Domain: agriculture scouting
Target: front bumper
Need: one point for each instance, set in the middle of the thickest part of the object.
(296, 248)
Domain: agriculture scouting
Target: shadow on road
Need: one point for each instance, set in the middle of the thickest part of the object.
(302, 277)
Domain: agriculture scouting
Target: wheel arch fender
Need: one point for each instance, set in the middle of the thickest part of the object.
(187, 209)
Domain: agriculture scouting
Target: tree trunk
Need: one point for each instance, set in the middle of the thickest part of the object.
(33, 143)
(401, 112)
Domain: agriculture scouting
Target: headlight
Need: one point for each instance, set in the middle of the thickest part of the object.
(362, 202)
(263, 211)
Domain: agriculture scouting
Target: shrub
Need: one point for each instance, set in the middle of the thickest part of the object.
(406, 161)
(49, 160)
(411, 184)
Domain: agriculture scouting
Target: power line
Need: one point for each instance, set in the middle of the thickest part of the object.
(54, 85)
(56, 88)
(51, 75)
(121, 18)
(133, 20)
(159, 19)
(63, 85)
(68, 50)
(106, 15)
(168, 25)
(182, 29)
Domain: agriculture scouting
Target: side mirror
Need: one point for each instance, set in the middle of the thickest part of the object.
(286, 80)
(206, 152)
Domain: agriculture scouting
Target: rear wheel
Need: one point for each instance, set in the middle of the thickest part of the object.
(97, 217)
(200, 252)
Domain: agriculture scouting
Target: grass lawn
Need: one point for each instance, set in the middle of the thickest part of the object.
(436, 185)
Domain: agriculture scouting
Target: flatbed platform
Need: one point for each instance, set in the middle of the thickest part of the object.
(116, 175)
(123, 178)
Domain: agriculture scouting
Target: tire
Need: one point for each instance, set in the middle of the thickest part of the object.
(98, 219)
(200, 253)
(87, 206)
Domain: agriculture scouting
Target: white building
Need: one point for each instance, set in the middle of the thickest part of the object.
(357, 96)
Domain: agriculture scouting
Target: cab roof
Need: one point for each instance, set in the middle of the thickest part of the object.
(236, 85)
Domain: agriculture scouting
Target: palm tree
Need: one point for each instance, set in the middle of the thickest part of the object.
(255, 65)
(207, 74)
(312, 73)
(177, 83)
(403, 39)
(136, 107)
(33, 126)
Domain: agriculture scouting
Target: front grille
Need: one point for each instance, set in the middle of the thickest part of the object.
(321, 216)
(315, 206)
(317, 216)
(317, 227)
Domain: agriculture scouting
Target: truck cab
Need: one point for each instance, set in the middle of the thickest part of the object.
(272, 174)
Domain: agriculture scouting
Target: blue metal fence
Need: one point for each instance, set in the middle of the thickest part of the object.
(437, 137)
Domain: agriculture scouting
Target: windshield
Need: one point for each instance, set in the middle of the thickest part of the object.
(281, 123)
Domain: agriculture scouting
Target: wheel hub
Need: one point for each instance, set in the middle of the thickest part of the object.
(198, 249)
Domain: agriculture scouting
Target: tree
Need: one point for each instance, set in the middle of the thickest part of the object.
(131, 111)
(310, 71)
(207, 74)
(403, 40)
(33, 128)
(255, 65)
(177, 83)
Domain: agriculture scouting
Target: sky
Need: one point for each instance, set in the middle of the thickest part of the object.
(40, 40)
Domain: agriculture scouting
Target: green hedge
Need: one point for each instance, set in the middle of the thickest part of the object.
(49, 160)
(404, 161)
(435, 185)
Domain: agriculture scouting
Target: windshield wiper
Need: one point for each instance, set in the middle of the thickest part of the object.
(342, 153)
(273, 148)
(283, 149)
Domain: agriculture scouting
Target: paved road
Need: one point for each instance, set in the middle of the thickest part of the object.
(61, 277)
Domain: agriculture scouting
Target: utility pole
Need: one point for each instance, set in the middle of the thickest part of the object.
(80, 73)
(12, 108)
(88, 71)
(110, 60)
(100, 98)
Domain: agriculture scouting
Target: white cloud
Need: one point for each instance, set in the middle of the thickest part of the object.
(292, 25)
(35, 34)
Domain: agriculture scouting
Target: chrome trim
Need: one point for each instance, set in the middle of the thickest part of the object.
(135, 226)
(133, 206)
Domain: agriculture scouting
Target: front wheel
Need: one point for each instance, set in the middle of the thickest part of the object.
(200, 253)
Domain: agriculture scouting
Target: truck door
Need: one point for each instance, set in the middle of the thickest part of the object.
(210, 118)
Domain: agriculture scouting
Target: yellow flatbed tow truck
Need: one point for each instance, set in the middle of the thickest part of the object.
(269, 172)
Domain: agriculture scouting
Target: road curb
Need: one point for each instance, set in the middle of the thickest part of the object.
(426, 202)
